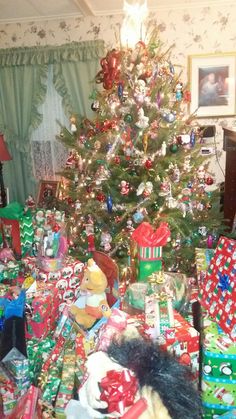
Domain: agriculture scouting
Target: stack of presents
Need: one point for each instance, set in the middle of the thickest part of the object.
(47, 334)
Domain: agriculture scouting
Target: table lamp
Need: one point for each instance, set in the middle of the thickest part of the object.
(4, 156)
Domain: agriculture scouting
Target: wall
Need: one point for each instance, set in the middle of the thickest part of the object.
(195, 30)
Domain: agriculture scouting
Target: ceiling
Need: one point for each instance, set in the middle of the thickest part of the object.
(31, 10)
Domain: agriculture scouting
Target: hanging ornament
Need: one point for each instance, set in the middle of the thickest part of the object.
(155, 206)
(101, 197)
(120, 90)
(192, 138)
(148, 164)
(210, 241)
(159, 98)
(145, 189)
(187, 96)
(163, 149)
(202, 231)
(138, 217)
(208, 206)
(124, 187)
(176, 174)
(165, 187)
(129, 225)
(109, 204)
(179, 91)
(128, 118)
(169, 117)
(185, 204)
(116, 160)
(143, 121)
(108, 147)
(201, 173)
(145, 142)
(209, 180)
(106, 240)
(95, 106)
(173, 148)
(97, 145)
(73, 127)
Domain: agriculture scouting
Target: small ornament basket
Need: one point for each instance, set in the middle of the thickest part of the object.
(53, 249)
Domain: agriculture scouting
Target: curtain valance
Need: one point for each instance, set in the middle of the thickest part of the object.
(41, 55)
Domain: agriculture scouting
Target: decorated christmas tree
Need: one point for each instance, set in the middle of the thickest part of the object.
(140, 159)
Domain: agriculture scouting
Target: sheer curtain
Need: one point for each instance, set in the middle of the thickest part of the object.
(48, 154)
(25, 76)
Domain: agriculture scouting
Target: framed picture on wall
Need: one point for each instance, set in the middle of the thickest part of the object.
(48, 189)
(212, 84)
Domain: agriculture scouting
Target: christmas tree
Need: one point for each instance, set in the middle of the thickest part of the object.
(140, 158)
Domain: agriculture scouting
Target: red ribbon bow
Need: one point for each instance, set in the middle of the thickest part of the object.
(145, 235)
(118, 390)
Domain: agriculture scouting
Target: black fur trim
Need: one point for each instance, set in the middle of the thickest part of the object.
(161, 371)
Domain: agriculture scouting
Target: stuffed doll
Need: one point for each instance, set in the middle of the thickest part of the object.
(134, 379)
(92, 303)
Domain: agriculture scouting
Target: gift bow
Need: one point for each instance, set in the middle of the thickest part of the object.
(118, 390)
(156, 278)
(145, 235)
(223, 281)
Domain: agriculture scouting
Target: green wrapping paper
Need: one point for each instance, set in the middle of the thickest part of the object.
(66, 388)
(9, 270)
(52, 381)
(219, 372)
(37, 354)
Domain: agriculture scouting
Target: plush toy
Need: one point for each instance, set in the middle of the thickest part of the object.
(92, 303)
(137, 380)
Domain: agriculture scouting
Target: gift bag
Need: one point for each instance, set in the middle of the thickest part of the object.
(147, 249)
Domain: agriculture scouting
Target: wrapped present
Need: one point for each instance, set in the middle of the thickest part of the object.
(43, 306)
(20, 371)
(21, 224)
(218, 371)
(68, 278)
(184, 344)
(202, 259)
(115, 325)
(38, 352)
(66, 388)
(146, 249)
(8, 392)
(9, 270)
(27, 407)
(218, 291)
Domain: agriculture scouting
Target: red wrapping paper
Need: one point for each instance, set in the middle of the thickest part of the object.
(145, 236)
(118, 390)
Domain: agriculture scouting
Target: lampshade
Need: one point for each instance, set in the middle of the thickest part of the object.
(4, 153)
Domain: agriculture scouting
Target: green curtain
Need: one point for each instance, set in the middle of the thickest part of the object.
(23, 73)
(22, 89)
(74, 80)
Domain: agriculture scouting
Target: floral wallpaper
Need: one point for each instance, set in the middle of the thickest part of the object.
(193, 30)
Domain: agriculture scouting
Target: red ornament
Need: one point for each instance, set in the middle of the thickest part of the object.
(56, 228)
(89, 188)
(69, 200)
(148, 164)
(101, 197)
(117, 160)
(209, 180)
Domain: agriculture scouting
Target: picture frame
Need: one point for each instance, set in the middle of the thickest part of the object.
(212, 84)
(47, 189)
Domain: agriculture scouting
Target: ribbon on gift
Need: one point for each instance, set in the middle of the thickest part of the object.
(118, 390)
(224, 283)
(145, 236)
(156, 278)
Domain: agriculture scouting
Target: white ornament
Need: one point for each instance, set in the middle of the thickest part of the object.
(163, 149)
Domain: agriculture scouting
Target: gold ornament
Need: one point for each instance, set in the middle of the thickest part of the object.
(145, 143)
